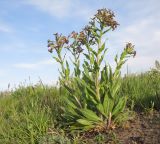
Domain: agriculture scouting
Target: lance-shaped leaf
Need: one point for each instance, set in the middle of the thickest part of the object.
(102, 48)
(83, 84)
(57, 59)
(101, 109)
(85, 122)
(90, 98)
(108, 104)
(90, 115)
(119, 107)
(102, 57)
(87, 56)
(116, 86)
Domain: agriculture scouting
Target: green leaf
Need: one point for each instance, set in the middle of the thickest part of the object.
(86, 64)
(71, 104)
(57, 59)
(96, 66)
(94, 33)
(123, 55)
(70, 90)
(67, 71)
(90, 115)
(106, 72)
(90, 98)
(67, 64)
(119, 106)
(92, 59)
(107, 30)
(85, 122)
(93, 52)
(100, 108)
(88, 79)
(116, 86)
(108, 104)
(102, 48)
(72, 112)
(85, 85)
(116, 58)
(87, 56)
(110, 75)
(102, 57)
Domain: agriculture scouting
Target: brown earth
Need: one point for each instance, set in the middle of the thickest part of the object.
(144, 128)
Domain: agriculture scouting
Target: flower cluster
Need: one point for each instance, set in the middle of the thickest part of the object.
(91, 39)
(59, 42)
(76, 41)
(82, 37)
(73, 35)
(106, 18)
(88, 35)
(130, 49)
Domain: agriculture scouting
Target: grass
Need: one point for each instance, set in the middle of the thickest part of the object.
(143, 91)
(32, 115)
(27, 113)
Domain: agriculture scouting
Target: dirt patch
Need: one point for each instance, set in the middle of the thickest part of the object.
(143, 129)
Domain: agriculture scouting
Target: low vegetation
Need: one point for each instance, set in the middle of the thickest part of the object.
(32, 114)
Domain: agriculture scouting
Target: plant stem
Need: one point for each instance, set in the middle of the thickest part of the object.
(61, 62)
(97, 71)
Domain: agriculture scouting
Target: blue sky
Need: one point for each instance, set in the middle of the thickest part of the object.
(26, 25)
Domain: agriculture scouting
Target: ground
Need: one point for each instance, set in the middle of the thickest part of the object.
(144, 128)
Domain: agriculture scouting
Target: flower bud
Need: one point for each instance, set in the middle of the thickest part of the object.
(50, 49)
(130, 49)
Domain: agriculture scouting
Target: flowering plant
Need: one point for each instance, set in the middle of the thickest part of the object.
(93, 102)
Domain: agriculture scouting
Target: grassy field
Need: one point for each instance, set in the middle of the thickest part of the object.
(32, 115)
(143, 91)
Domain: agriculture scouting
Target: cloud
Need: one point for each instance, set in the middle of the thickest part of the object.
(5, 28)
(25, 65)
(61, 8)
(144, 34)
(46, 62)
(140, 63)
(33, 65)
(54, 7)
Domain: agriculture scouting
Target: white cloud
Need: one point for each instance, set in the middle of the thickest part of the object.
(46, 62)
(61, 8)
(144, 34)
(34, 65)
(140, 63)
(5, 28)
(13, 45)
(57, 8)
(25, 65)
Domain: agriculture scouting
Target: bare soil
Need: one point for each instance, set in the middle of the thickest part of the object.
(144, 128)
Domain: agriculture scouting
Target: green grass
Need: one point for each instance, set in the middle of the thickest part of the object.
(32, 115)
(27, 114)
(143, 90)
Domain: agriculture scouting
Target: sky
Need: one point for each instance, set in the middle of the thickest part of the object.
(26, 25)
